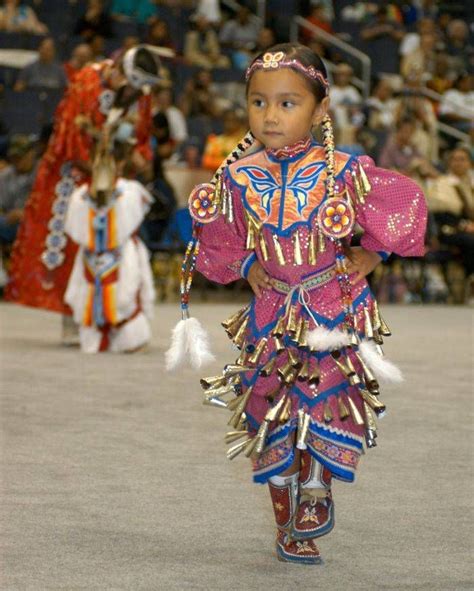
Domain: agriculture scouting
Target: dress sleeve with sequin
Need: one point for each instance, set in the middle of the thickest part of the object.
(222, 256)
(394, 213)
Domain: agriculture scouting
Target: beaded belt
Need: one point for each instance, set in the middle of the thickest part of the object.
(308, 284)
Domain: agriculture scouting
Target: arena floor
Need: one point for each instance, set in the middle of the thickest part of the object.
(114, 475)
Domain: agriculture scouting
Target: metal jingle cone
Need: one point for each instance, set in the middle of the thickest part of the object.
(302, 434)
(279, 328)
(312, 250)
(369, 378)
(232, 436)
(236, 449)
(278, 250)
(384, 328)
(242, 423)
(241, 360)
(302, 334)
(369, 331)
(239, 338)
(358, 187)
(342, 409)
(251, 234)
(369, 418)
(263, 247)
(255, 356)
(261, 437)
(221, 391)
(356, 416)
(290, 378)
(234, 318)
(284, 370)
(300, 416)
(374, 403)
(376, 323)
(234, 420)
(212, 382)
(353, 377)
(294, 359)
(274, 411)
(279, 346)
(233, 329)
(337, 358)
(321, 242)
(234, 369)
(234, 403)
(378, 337)
(250, 447)
(297, 255)
(291, 322)
(303, 374)
(269, 367)
(285, 413)
(370, 438)
(327, 412)
(314, 375)
(214, 401)
(365, 185)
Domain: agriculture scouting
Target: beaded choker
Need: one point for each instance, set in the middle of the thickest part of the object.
(290, 151)
(274, 61)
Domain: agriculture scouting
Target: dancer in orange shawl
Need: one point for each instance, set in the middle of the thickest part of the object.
(43, 256)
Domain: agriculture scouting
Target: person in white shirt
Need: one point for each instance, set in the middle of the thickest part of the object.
(457, 106)
(345, 103)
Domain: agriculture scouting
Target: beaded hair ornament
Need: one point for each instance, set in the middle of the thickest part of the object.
(275, 61)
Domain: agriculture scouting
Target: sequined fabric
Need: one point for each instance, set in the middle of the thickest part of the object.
(393, 218)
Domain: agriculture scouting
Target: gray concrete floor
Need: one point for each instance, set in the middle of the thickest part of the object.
(114, 475)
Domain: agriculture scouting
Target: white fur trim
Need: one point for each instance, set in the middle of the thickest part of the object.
(322, 339)
(385, 371)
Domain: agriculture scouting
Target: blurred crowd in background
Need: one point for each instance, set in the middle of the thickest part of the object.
(411, 111)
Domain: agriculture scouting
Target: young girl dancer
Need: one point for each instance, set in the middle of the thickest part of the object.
(304, 391)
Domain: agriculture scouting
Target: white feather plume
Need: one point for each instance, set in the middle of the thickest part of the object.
(197, 344)
(322, 339)
(385, 371)
(189, 341)
(176, 354)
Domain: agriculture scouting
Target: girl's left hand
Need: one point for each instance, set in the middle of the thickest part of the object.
(361, 262)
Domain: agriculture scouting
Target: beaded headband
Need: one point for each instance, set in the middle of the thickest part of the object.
(274, 61)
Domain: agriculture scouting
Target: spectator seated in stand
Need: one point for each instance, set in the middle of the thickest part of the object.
(239, 35)
(381, 107)
(457, 105)
(20, 18)
(139, 11)
(382, 35)
(218, 147)
(458, 47)
(411, 41)
(97, 45)
(422, 59)
(401, 154)
(159, 35)
(128, 42)
(412, 103)
(201, 46)
(16, 181)
(163, 102)
(451, 200)
(80, 56)
(318, 16)
(95, 21)
(46, 72)
(265, 39)
(346, 103)
(200, 98)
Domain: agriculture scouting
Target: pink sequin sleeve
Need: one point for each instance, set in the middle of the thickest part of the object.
(222, 254)
(394, 214)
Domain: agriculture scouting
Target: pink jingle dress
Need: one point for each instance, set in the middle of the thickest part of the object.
(276, 197)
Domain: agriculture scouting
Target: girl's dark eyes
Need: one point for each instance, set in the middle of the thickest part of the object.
(258, 102)
(288, 104)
